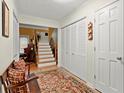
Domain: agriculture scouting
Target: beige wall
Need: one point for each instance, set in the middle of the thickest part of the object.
(6, 46)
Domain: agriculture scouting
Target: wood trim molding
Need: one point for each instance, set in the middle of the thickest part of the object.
(41, 30)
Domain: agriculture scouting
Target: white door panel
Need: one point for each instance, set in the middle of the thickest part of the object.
(62, 39)
(74, 49)
(63, 57)
(102, 32)
(62, 46)
(102, 66)
(78, 49)
(74, 38)
(68, 44)
(68, 62)
(109, 49)
(82, 67)
(116, 48)
(81, 38)
(102, 71)
(116, 77)
(65, 42)
(72, 66)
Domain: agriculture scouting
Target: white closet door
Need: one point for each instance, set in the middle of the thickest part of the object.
(81, 49)
(81, 38)
(109, 49)
(73, 66)
(74, 38)
(68, 44)
(75, 49)
(62, 48)
(65, 63)
(62, 38)
(78, 47)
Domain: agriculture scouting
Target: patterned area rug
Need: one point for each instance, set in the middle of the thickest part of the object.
(60, 82)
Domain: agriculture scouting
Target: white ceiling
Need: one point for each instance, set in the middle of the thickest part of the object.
(49, 9)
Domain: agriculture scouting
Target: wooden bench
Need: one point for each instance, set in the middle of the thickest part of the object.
(9, 87)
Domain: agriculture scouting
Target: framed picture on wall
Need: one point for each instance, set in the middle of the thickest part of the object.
(5, 19)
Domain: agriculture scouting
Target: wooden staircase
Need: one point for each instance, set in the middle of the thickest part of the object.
(45, 55)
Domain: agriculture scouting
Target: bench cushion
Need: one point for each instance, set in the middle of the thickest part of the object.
(20, 64)
(16, 76)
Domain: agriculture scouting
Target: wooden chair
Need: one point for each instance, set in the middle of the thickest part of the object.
(18, 87)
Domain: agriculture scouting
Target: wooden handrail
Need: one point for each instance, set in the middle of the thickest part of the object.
(36, 43)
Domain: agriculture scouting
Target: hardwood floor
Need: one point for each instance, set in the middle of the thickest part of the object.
(33, 86)
(34, 68)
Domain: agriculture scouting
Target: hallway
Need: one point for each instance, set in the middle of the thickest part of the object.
(63, 43)
(57, 73)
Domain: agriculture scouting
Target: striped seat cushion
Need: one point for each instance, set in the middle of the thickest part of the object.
(16, 76)
(20, 64)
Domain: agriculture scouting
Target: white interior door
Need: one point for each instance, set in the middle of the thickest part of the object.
(65, 63)
(73, 29)
(78, 64)
(62, 44)
(81, 49)
(109, 49)
(73, 66)
(68, 44)
(63, 47)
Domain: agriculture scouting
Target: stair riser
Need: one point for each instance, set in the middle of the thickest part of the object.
(52, 58)
(46, 60)
(44, 52)
(46, 65)
(46, 56)
(43, 46)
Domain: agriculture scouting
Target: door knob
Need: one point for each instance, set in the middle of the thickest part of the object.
(119, 58)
